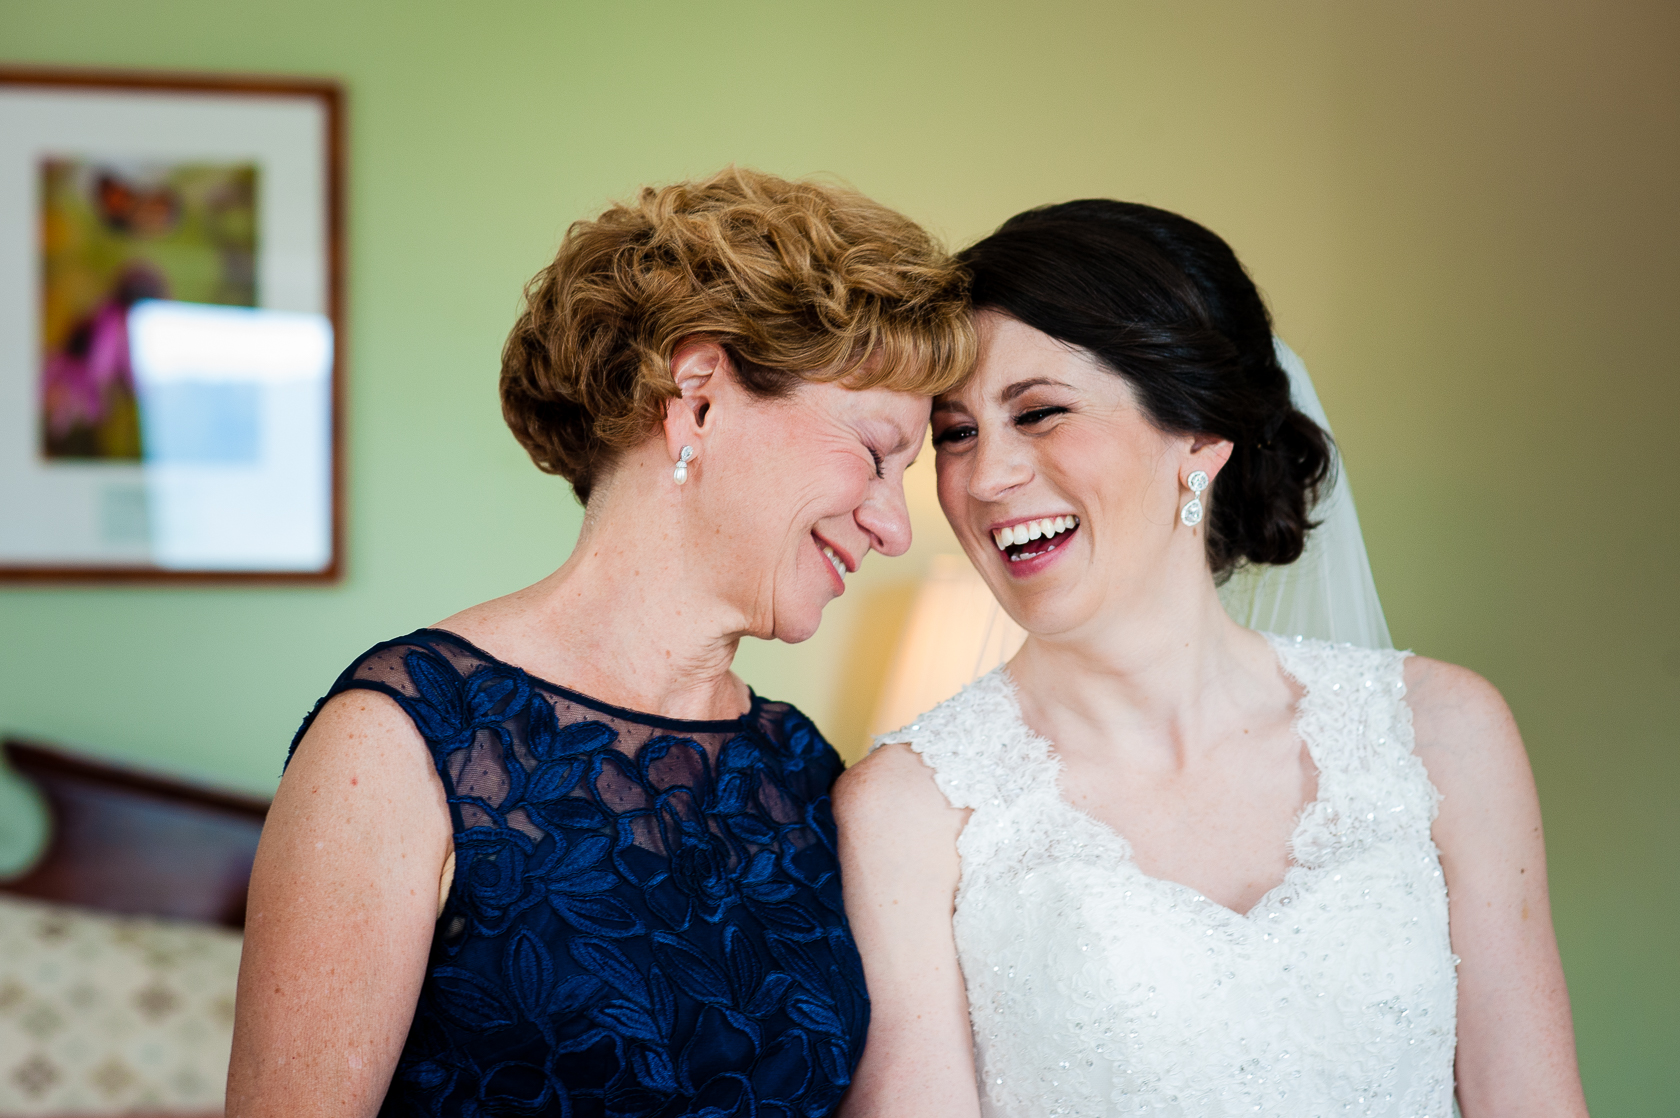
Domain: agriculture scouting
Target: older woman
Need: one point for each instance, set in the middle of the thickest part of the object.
(551, 856)
(1163, 864)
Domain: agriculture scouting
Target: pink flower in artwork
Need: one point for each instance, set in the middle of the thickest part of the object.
(76, 382)
(77, 379)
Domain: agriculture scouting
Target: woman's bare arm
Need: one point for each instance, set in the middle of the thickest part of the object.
(344, 896)
(898, 858)
(1516, 1042)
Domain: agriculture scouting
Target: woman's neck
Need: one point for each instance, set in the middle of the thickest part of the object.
(630, 618)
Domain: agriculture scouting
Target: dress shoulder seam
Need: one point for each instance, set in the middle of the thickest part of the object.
(958, 740)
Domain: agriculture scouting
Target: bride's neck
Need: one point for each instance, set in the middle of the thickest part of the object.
(1158, 667)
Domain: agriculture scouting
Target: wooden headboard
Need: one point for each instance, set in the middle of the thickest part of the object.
(124, 840)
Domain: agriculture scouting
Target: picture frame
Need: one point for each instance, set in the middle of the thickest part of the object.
(172, 342)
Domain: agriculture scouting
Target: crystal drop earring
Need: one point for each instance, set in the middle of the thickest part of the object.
(680, 474)
(1191, 513)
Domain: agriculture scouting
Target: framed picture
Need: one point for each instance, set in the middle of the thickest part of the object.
(171, 346)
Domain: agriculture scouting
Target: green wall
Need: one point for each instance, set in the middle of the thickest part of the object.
(1465, 216)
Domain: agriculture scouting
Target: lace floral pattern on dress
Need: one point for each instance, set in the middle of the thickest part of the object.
(645, 917)
(1097, 990)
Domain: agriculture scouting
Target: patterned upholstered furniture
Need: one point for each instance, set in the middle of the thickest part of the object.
(119, 948)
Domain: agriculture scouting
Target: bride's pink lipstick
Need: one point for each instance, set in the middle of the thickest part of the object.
(1028, 545)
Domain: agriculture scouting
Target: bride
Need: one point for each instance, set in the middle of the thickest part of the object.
(1162, 863)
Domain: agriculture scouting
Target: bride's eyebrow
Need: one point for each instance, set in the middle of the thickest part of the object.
(1021, 386)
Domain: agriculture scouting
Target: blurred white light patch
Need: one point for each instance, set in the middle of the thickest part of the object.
(236, 435)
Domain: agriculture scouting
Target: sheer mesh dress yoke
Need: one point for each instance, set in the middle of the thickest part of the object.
(645, 917)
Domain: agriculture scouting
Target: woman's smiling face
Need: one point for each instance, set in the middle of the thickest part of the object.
(799, 490)
(1062, 491)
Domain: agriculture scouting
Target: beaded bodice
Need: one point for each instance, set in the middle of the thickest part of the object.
(645, 916)
(1097, 990)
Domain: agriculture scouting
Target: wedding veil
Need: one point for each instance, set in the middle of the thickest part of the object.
(1328, 592)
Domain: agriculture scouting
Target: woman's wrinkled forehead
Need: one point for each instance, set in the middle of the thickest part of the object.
(894, 420)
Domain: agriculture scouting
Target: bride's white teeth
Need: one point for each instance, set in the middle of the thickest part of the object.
(1041, 529)
(839, 566)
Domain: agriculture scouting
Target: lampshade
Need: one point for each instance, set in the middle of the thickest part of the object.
(956, 633)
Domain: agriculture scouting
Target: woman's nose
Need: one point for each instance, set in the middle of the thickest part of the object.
(885, 519)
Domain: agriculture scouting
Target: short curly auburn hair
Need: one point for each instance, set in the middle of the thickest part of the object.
(798, 281)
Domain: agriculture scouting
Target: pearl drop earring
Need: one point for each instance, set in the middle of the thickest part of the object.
(680, 474)
(1191, 513)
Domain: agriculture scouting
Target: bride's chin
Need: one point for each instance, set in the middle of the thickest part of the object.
(1047, 606)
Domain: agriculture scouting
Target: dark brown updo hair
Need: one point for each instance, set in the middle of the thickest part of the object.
(1166, 305)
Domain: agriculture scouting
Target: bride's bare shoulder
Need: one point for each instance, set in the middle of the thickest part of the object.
(1465, 735)
(894, 783)
(1453, 706)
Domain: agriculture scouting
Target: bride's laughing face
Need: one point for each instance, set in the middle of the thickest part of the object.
(1062, 491)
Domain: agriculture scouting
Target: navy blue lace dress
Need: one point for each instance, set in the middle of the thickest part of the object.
(645, 917)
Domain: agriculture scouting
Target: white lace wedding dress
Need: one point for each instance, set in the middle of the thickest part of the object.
(1097, 990)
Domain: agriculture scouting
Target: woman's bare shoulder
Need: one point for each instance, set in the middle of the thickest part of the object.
(355, 716)
(505, 622)
(364, 740)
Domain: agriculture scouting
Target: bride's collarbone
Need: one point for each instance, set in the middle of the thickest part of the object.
(1221, 826)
